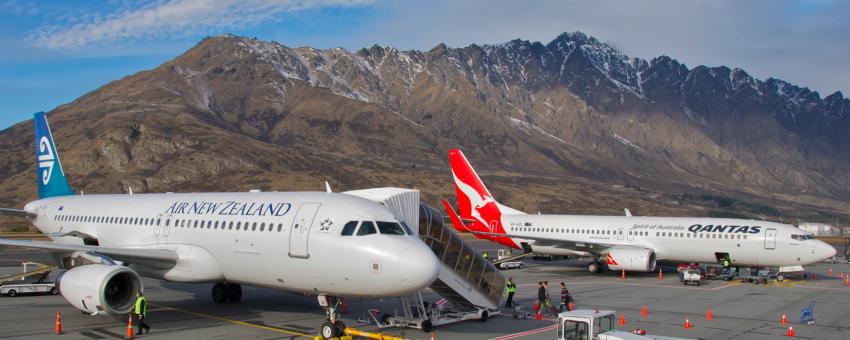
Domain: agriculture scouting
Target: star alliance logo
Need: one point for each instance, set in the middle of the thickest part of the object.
(326, 225)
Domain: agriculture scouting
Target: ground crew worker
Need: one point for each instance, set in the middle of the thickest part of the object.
(541, 297)
(566, 298)
(510, 288)
(141, 312)
(726, 262)
(486, 255)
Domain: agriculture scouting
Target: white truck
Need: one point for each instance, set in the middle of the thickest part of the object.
(29, 286)
(586, 324)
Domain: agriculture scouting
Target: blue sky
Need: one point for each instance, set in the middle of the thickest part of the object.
(54, 52)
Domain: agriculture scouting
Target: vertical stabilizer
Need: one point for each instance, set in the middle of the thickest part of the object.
(51, 178)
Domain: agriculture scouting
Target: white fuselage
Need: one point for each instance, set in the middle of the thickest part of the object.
(288, 241)
(676, 239)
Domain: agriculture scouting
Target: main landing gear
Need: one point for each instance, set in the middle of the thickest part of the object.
(332, 328)
(226, 292)
(594, 267)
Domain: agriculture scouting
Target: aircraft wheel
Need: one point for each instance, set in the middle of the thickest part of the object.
(340, 328)
(54, 291)
(234, 292)
(427, 327)
(484, 316)
(219, 293)
(329, 330)
(12, 293)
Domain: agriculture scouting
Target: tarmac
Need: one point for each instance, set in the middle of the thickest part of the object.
(186, 311)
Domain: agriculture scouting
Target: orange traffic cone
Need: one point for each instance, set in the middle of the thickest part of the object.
(829, 271)
(847, 281)
(790, 331)
(434, 335)
(570, 306)
(58, 322)
(623, 275)
(840, 275)
(688, 324)
(622, 319)
(539, 317)
(784, 320)
(660, 275)
(814, 276)
(643, 311)
(130, 334)
(708, 315)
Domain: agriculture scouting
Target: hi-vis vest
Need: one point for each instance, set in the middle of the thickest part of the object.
(511, 287)
(141, 306)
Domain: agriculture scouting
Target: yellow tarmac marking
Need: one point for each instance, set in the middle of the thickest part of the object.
(236, 322)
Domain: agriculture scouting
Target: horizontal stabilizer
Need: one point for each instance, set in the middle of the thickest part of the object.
(15, 212)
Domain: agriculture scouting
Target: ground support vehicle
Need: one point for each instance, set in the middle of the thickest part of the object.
(754, 275)
(585, 324)
(691, 277)
(37, 285)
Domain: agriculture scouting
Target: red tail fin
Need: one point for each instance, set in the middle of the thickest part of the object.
(473, 198)
(475, 201)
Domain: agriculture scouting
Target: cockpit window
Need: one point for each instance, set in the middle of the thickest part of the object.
(366, 228)
(802, 237)
(406, 228)
(348, 228)
(390, 228)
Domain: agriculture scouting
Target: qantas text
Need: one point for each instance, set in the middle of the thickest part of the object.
(696, 228)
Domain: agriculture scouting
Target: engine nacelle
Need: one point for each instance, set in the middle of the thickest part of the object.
(99, 288)
(631, 259)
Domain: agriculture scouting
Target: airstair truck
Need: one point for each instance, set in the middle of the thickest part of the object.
(587, 324)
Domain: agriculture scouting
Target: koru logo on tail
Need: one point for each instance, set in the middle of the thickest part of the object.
(46, 159)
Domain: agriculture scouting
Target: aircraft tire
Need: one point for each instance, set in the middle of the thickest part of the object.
(219, 293)
(233, 292)
(328, 330)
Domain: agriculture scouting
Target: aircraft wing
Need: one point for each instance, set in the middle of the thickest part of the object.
(154, 258)
(14, 212)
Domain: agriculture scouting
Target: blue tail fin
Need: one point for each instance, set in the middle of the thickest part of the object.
(51, 178)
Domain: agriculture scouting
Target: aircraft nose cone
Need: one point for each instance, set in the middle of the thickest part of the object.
(827, 250)
(417, 267)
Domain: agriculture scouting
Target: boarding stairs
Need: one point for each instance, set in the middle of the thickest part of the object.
(466, 279)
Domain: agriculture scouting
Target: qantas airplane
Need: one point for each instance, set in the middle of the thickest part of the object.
(326, 244)
(632, 243)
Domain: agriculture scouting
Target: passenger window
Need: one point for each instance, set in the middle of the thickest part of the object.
(348, 228)
(366, 228)
(254, 226)
(279, 227)
(263, 226)
(390, 228)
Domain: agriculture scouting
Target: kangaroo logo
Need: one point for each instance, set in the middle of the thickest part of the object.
(46, 159)
(476, 199)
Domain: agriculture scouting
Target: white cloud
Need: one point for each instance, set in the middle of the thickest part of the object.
(166, 18)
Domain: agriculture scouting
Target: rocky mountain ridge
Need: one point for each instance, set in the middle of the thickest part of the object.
(249, 113)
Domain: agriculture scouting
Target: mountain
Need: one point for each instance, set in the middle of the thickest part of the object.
(569, 126)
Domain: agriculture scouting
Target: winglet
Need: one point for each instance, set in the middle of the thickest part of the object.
(328, 187)
(456, 222)
(628, 213)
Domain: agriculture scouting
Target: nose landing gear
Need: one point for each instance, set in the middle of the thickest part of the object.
(332, 328)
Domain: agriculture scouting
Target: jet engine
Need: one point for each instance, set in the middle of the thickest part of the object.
(631, 259)
(99, 288)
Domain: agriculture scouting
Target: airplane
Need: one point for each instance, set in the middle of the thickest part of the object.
(629, 243)
(325, 244)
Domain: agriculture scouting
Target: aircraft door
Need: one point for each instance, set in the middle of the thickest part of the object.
(631, 235)
(166, 227)
(770, 238)
(299, 234)
(620, 234)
